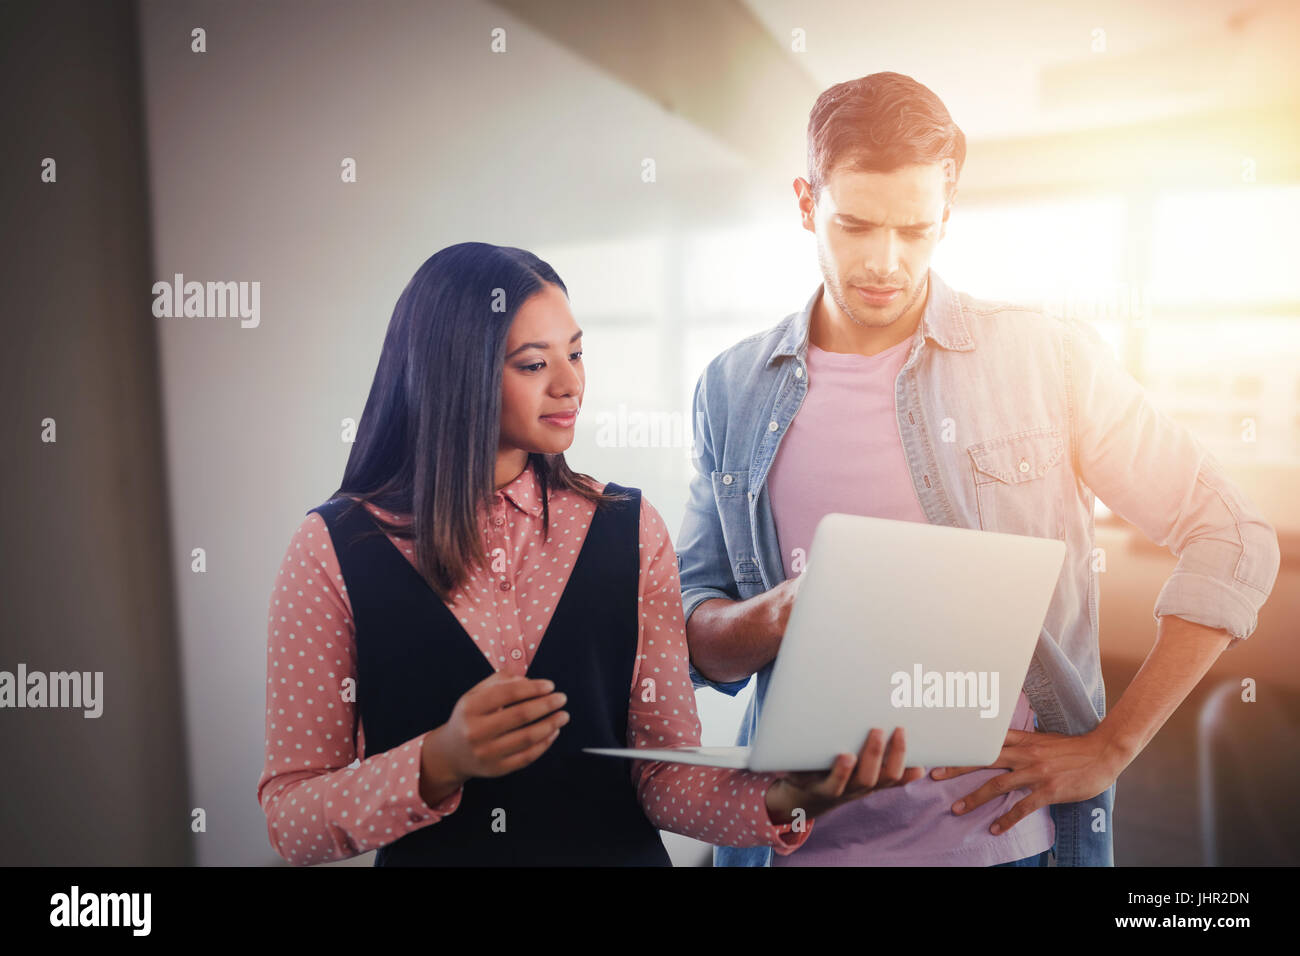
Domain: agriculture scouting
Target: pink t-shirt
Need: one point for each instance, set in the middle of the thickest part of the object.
(842, 453)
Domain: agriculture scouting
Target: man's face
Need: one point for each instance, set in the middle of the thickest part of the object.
(876, 231)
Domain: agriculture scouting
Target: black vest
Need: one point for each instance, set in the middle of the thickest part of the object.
(415, 660)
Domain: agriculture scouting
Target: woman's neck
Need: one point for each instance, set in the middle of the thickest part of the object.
(509, 467)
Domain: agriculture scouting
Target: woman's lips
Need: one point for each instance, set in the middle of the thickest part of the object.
(876, 296)
(561, 421)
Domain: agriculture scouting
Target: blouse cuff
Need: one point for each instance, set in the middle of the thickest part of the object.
(784, 838)
(418, 810)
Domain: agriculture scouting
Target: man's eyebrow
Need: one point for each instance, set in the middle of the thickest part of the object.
(541, 345)
(855, 221)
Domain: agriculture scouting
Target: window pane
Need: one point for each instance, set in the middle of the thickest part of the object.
(1229, 247)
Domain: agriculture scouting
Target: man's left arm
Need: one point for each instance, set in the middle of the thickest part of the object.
(1152, 472)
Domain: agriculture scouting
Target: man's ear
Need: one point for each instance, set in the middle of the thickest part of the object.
(807, 209)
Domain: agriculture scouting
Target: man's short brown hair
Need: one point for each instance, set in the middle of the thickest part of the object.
(879, 123)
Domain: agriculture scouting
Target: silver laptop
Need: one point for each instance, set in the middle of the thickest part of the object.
(898, 624)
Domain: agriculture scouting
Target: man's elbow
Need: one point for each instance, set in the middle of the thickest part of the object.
(707, 637)
(1261, 558)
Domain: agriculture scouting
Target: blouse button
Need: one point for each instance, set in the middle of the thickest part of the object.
(727, 479)
(772, 426)
(516, 654)
(1024, 466)
(499, 520)
(505, 585)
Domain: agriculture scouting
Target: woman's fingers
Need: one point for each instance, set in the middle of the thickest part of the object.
(526, 756)
(838, 779)
(881, 765)
(892, 771)
(502, 690)
(867, 773)
(485, 727)
(511, 744)
(828, 785)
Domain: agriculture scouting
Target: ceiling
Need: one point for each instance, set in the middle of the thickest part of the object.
(1009, 68)
(1006, 69)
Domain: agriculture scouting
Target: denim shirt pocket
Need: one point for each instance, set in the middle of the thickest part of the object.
(730, 491)
(1018, 482)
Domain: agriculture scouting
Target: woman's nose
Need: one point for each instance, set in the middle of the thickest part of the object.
(567, 383)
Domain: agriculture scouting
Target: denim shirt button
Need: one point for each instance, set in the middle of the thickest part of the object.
(798, 372)
(727, 479)
(771, 426)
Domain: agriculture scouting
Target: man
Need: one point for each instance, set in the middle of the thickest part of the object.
(892, 395)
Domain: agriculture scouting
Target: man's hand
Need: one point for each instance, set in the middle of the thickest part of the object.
(1060, 768)
(782, 601)
(1055, 768)
(730, 640)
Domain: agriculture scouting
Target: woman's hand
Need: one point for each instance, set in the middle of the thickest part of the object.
(495, 728)
(814, 793)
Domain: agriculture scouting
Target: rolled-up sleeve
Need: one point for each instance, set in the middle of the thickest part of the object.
(704, 566)
(1154, 473)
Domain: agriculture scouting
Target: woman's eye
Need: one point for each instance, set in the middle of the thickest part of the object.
(540, 365)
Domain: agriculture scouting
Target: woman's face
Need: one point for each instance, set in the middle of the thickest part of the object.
(543, 375)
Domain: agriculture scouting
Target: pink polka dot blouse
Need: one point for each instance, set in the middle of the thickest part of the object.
(326, 798)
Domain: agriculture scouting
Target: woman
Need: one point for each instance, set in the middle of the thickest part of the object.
(466, 613)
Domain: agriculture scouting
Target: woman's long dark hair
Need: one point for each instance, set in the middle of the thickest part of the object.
(426, 446)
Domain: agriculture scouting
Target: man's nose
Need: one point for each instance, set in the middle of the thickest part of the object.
(881, 257)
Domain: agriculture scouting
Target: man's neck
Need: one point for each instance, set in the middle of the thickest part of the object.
(832, 331)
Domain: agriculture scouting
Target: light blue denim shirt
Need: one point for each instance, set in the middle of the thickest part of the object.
(1013, 421)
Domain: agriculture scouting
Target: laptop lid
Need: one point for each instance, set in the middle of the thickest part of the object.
(903, 623)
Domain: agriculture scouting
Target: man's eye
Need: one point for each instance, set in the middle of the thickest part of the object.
(910, 234)
(576, 355)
